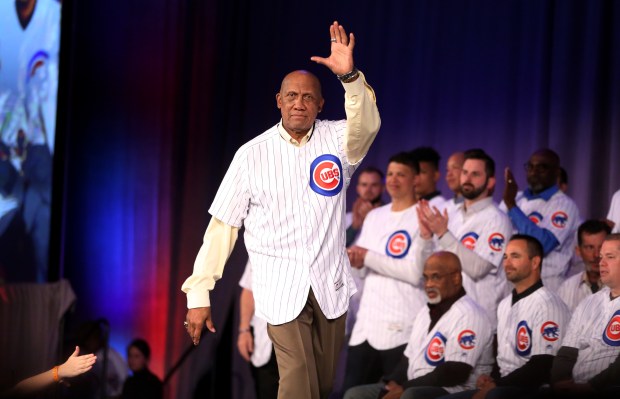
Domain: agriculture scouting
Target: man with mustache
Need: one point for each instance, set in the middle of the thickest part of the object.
(476, 231)
(590, 237)
(545, 212)
(449, 346)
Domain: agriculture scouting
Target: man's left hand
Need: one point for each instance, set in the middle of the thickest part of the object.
(340, 61)
(356, 256)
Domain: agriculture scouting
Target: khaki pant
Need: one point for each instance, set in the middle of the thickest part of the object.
(307, 351)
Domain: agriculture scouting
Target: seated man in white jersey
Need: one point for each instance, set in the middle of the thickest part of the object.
(545, 212)
(426, 187)
(388, 304)
(287, 188)
(588, 363)
(477, 231)
(450, 345)
(590, 237)
(531, 324)
(613, 216)
(253, 342)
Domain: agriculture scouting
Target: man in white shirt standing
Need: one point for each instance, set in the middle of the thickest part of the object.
(388, 304)
(287, 188)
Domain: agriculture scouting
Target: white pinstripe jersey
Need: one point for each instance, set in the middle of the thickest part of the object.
(262, 343)
(463, 334)
(574, 290)
(485, 230)
(595, 331)
(291, 201)
(560, 216)
(388, 305)
(535, 325)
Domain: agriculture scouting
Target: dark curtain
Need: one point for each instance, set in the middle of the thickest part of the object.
(160, 94)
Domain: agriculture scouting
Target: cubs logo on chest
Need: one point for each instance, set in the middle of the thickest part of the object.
(523, 339)
(398, 244)
(326, 175)
(435, 350)
(611, 334)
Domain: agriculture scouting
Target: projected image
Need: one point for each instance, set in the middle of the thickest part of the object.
(29, 49)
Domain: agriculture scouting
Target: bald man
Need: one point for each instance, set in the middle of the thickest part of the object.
(543, 211)
(450, 346)
(287, 188)
(454, 167)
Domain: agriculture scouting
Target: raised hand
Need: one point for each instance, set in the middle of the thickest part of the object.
(340, 61)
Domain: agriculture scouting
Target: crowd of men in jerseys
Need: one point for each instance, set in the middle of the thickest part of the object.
(461, 297)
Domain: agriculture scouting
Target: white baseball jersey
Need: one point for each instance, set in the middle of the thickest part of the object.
(358, 276)
(535, 325)
(478, 235)
(595, 331)
(560, 216)
(574, 290)
(614, 212)
(262, 343)
(463, 334)
(291, 201)
(388, 305)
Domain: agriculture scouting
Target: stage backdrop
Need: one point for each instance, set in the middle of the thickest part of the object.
(160, 94)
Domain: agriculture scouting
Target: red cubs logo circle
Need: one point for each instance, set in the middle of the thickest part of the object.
(535, 217)
(469, 240)
(611, 335)
(559, 219)
(326, 175)
(467, 339)
(496, 242)
(398, 244)
(523, 344)
(435, 350)
(550, 331)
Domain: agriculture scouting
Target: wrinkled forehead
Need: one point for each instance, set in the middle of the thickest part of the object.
(544, 157)
(300, 81)
(610, 246)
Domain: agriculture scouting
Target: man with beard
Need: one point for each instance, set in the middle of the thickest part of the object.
(450, 346)
(543, 211)
(590, 237)
(476, 231)
(532, 322)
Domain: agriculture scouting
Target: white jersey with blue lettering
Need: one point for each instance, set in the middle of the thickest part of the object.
(560, 216)
(463, 334)
(534, 325)
(595, 331)
(291, 201)
(388, 305)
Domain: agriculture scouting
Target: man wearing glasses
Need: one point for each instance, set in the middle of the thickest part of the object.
(543, 211)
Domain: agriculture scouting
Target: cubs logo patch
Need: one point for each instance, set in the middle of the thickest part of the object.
(398, 244)
(535, 217)
(496, 242)
(550, 331)
(469, 240)
(467, 339)
(611, 335)
(523, 344)
(38, 60)
(326, 175)
(559, 219)
(435, 350)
